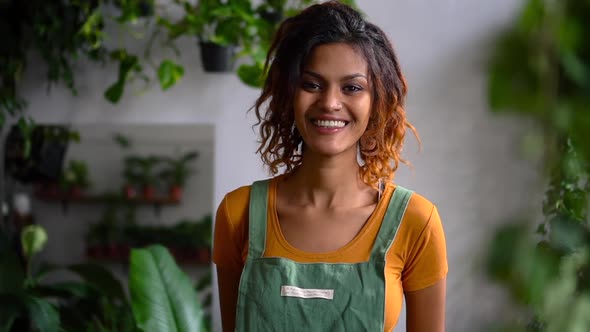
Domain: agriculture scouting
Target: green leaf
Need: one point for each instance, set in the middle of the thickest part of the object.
(169, 73)
(114, 92)
(251, 75)
(65, 289)
(127, 63)
(12, 274)
(43, 314)
(162, 296)
(122, 140)
(575, 68)
(100, 278)
(33, 239)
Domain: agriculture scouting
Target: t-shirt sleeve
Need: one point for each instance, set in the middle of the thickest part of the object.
(426, 260)
(229, 236)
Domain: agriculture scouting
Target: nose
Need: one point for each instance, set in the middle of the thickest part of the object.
(331, 99)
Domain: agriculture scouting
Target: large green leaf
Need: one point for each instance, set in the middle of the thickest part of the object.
(162, 296)
(169, 73)
(43, 314)
(251, 75)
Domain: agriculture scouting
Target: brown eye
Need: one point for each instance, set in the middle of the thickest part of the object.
(352, 88)
(310, 86)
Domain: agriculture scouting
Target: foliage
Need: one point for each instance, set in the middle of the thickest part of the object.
(95, 300)
(541, 69)
(75, 175)
(65, 32)
(176, 170)
(220, 22)
(187, 233)
(35, 152)
(141, 170)
(163, 298)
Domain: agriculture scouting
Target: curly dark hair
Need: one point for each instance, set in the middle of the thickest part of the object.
(296, 38)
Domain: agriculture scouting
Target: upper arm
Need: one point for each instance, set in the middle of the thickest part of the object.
(425, 269)
(425, 250)
(228, 247)
(425, 308)
(228, 281)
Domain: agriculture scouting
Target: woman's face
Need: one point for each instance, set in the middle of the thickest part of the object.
(333, 101)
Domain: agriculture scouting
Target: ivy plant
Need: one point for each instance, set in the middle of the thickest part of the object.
(541, 70)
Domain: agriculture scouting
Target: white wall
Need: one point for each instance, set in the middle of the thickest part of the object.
(469, 165)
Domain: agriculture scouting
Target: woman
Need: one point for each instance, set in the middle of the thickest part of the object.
(330, 244)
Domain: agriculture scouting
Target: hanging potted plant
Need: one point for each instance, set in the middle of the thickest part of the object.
(133, 9)
(221, 28)
(176, 172)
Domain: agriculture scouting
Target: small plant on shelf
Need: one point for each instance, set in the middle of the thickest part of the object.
(140, 172)
(189, 240)
(176, 173)
(75, 178)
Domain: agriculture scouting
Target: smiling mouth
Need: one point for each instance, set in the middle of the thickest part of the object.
(330, 123)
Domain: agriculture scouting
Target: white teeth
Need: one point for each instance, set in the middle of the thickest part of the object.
(330, 123)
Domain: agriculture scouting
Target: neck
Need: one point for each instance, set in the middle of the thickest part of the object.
(327, 182)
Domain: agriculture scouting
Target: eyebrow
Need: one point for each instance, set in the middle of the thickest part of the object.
(345, 78)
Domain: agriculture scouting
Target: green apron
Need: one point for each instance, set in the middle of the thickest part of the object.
(278, 294)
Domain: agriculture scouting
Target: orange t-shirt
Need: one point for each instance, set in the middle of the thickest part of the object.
(417, 259)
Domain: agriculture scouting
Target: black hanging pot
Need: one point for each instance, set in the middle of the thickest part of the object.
(217, 58)
(272, 16)
(48, 145)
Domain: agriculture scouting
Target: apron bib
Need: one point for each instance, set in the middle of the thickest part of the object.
(278, 294)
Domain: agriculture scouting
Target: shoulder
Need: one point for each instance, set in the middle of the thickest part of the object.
(419, 211)
(235, 204)
(420, 225)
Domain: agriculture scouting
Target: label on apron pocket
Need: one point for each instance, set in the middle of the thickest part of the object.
(307, 293)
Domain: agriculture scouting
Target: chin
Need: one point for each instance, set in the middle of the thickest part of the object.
(331, 151)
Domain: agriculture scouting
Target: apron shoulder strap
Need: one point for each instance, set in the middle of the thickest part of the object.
(391, 221)
(257, 218)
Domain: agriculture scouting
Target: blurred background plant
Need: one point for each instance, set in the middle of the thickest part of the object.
(541, 71)
(63, 33)
(75, 177)
(162, 297)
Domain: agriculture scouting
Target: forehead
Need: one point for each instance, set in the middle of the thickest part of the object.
(336, 58)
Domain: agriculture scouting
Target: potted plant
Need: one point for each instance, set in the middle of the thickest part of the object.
(104, 237)
(140, 171)
(221, 27)
(74, 179)
(131, 10)
(176, 172)
(131, 176)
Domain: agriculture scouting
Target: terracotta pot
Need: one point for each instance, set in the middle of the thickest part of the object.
(75, 192)
(149, 192)
(129, 191)
(175, 193)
